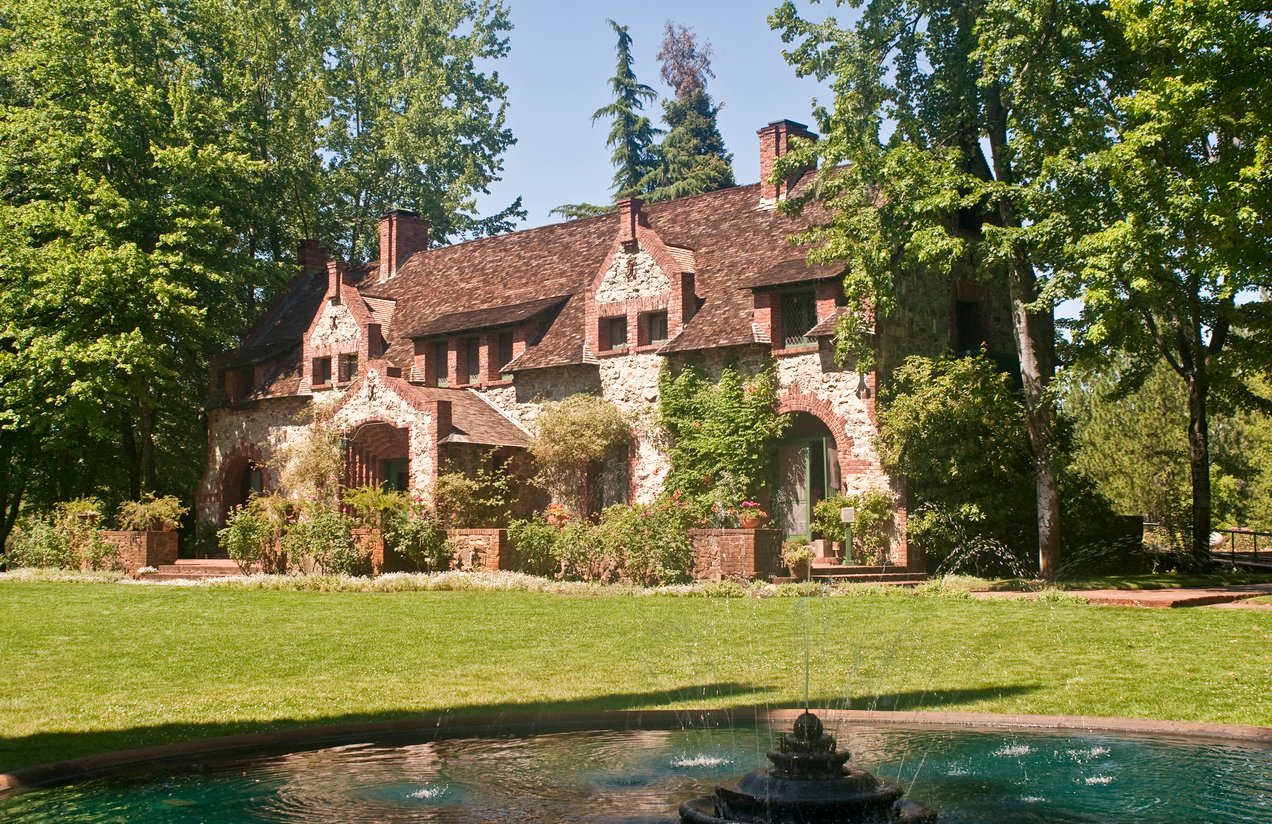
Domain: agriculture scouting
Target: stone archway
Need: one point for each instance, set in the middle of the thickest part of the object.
(243, 473)
(378, 453)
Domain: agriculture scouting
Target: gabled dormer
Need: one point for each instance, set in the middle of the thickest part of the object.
(643, 293)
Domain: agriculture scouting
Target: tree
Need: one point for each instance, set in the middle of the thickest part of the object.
(1168, 231)
(632, 135)
(119, 179)
(413, 119)
(944, 116)
(158, 164)
(693, 158)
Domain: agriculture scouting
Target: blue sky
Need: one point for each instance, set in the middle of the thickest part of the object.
(558, 74)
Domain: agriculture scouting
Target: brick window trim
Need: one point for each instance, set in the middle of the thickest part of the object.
(605, 327)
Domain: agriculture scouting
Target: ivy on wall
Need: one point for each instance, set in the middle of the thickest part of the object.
(723, 434)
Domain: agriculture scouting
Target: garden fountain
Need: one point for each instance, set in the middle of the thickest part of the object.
(808, 782)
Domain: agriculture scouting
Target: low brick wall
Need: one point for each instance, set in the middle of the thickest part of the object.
(737, 554)
(480, 549)
(139, 549)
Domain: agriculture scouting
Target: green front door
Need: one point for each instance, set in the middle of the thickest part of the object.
(801, 468)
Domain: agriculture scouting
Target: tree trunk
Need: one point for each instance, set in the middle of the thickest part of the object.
(146, 423)
(128, 445)
(1035, 377)
(1036, 356)
(1199, 466)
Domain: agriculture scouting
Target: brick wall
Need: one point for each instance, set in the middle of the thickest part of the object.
(737, 554)
(138, 549)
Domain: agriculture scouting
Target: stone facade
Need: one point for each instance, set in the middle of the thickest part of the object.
(456, 350)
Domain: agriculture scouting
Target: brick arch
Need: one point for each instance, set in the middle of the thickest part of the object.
(370, 442)
(795, 399)
(242, 457)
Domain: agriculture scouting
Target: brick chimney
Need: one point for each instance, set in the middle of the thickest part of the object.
(336, 271)
(775, 141)
(311, 256)
(628, 218)
(402, 234)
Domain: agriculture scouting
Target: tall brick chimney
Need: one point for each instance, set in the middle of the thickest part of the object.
(336, 271)
(628, 218)
(311, 256)
(402, 234)
(775, 141)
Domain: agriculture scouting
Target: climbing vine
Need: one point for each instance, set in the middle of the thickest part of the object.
(723, 434)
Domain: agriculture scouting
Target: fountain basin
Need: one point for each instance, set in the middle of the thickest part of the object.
(638, 767)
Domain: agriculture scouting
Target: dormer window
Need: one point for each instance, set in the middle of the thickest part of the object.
(613, 333)
(798, 317)
(472, 360)
(653, 328)
(441, 357)
(322, 371)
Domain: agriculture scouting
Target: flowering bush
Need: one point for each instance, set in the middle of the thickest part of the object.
(751, 509)
(415, 533)
(557, 512)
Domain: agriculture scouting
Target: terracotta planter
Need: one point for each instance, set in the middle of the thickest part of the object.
(800, 570)
(749, 523)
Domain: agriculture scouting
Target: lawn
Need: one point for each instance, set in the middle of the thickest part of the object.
(96, 667)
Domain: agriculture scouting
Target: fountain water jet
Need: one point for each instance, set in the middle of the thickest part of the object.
(809, 782)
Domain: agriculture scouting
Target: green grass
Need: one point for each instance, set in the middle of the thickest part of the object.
(96, 667)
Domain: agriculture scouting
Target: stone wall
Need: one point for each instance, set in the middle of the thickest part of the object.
(632, 275)
(480, 549)
(140, 549)
(736, 554)
(255, 433)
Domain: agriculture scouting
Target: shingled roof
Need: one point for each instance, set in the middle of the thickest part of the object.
(724, 237)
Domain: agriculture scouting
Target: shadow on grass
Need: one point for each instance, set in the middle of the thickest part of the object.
(74, 755)
(40, 748)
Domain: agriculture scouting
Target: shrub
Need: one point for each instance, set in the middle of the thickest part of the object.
(67, 538)
(36, 541)
(323, 534)
(151, 512)
(647, 544)
(570, 437)
(417, 536)
(244, 538)
(373, 505)
(536, 543)
(253, 534)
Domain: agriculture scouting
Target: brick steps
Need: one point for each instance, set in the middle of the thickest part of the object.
(186, 569)
(881, 574)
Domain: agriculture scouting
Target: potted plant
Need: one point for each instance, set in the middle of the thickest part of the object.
(151, 514)
(750, 516)
(798, 557)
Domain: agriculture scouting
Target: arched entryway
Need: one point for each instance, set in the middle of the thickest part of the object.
(242, 476)
(378, 454)
(807, 472)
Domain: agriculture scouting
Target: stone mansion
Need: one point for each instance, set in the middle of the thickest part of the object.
(431, 352)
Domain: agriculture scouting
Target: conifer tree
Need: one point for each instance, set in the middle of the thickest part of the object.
(632, 135)
(693, 156)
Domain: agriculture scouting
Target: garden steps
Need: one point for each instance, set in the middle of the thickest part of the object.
(186, 569)
(877, 574)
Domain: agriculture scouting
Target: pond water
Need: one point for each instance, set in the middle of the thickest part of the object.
(987, 777)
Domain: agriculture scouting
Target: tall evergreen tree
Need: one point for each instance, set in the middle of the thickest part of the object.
(693, 157)
(632, 135)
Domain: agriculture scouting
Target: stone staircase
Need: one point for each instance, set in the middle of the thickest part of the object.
(831, 572)
(190, 569)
